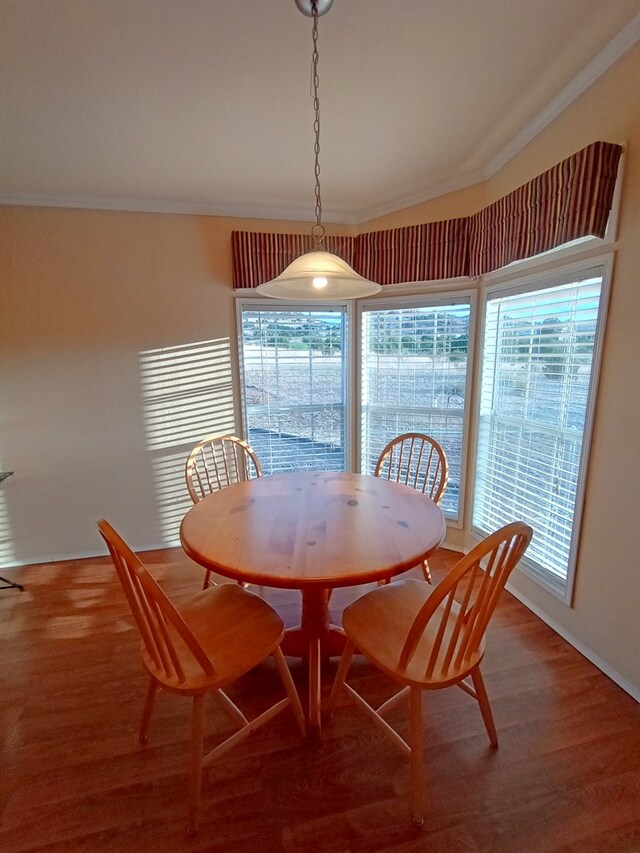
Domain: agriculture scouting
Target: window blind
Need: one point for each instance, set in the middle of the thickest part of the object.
(536, 388)
(414, 378)
(293, 384)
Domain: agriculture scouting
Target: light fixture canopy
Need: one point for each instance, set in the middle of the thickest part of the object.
(318, 275)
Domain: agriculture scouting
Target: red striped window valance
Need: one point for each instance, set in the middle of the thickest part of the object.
(426, 252)
(259, 257)
(571, 200)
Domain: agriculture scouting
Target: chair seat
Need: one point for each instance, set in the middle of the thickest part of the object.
(378, 625)
(236, 629)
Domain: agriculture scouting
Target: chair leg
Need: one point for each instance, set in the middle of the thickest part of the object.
(426, 571)
(207, 579)
(195, 763)
(152, 689)
(341, 674)
(285, 676)
(485, 707)
(417, 765)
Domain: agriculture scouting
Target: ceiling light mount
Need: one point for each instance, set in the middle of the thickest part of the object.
(306, 7)
(318, 275)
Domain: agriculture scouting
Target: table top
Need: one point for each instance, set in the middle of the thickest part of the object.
(311, 528)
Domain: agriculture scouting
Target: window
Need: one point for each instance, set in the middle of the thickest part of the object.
(294, 386)
(539, 370)
(536, 394)
(414, 379)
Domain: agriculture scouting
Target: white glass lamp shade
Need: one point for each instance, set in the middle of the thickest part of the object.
(318, 276)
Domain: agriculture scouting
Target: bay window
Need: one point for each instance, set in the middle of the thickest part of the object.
(538, 379)
(316, 383)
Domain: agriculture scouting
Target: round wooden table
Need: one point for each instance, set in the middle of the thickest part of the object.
(313, 531)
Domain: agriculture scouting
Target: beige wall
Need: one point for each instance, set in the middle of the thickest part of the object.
(89, 300)
(98, 306)
(84, 294)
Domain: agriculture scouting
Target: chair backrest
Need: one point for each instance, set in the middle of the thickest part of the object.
(219, 461)
(416, 460)
(458, 610)
(158, 621)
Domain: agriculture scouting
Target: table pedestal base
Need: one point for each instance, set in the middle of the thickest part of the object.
(296, 642)
(314, 640)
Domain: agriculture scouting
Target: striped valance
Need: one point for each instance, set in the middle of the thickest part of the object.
(435, 250)
(259, 257)
(571, 200)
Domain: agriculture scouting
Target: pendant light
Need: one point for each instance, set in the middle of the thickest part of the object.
(318, 275)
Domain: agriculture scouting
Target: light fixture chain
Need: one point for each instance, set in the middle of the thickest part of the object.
(317, 275)
(318, 231)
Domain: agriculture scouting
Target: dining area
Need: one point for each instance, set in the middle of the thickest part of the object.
(317, 532)
(205, 709)
(315, 539)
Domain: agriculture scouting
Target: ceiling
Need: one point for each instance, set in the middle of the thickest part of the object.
(205, 106)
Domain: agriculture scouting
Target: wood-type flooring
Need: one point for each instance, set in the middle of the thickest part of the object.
(74, 778)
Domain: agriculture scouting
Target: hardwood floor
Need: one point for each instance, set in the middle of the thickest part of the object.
(74, 778)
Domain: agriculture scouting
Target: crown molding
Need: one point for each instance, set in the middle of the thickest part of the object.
(614, 50)
(433, 191)
(135, 205)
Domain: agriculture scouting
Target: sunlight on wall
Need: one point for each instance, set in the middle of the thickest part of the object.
(188, 395)
(172, 498)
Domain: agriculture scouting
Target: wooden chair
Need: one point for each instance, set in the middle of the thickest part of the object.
(217, 462)
(199, 647)
(427, 638)
(418, 461)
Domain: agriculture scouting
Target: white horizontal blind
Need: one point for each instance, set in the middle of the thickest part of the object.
(414, 379)
(293, 383)
(538, 359)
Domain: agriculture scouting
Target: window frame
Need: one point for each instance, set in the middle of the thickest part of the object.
(277, 305)
(424, 300)
(513, 282)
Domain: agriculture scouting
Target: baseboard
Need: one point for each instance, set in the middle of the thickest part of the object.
(577, 644)
(448, 546)
(84, 555)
